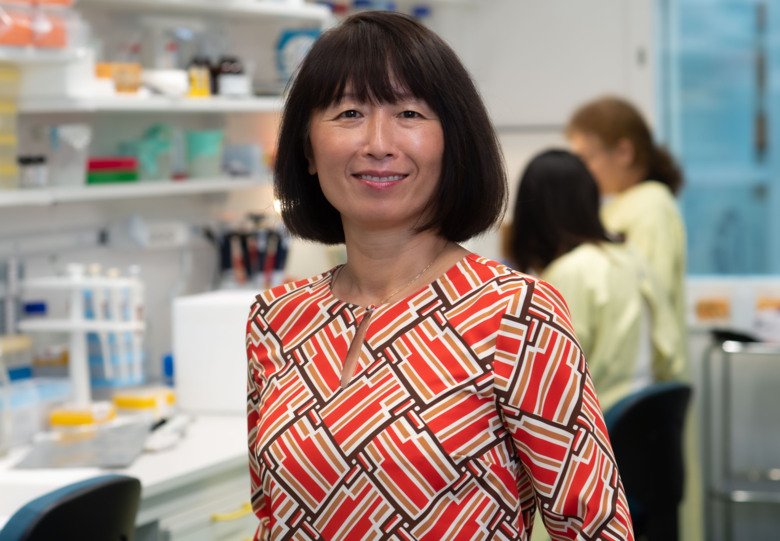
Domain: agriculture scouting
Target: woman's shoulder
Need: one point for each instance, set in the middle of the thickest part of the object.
(649, 203)
(527, 289)
(295, 288)
(648, 192)
(581, 258)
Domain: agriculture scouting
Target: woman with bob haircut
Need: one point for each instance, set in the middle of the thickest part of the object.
(624, 323)
(418, 391)
(638, 181)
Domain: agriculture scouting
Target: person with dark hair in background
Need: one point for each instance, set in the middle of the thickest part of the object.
(638, 181)
(418, 391)
(623, 320)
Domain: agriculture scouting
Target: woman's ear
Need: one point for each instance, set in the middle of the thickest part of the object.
(312, 168)
(624, 152)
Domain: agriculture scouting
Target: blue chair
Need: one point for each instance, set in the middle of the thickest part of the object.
(646, 431)
(101, 508)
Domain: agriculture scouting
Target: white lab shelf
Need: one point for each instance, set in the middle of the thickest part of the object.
(83, 325)
(162, 104)
(32, 55)
(261, 8)
(65, 282)
(144, 189)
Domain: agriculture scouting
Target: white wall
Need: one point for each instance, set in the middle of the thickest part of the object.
(535, 62)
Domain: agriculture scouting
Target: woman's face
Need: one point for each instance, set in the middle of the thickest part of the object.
(608, 166)
(378, 164)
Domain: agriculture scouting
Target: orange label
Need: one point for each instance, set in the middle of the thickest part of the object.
(713, 308)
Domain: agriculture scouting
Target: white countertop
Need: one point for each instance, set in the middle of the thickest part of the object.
(211, 444)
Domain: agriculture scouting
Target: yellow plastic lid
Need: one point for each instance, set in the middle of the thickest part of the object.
(144, 399)
(75, 416)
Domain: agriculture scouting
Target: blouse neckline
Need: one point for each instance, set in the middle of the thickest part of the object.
(358, 308)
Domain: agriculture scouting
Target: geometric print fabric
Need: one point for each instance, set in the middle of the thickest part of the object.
(470, 406)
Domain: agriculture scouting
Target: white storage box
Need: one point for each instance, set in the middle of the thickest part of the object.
(209, 352)
(69, 78)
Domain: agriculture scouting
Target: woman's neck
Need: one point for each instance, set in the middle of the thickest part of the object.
(384, 267)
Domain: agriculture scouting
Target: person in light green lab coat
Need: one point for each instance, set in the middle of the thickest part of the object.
(622, 318)
(638, 181)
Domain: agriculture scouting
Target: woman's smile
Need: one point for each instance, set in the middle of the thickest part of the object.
(380, 180)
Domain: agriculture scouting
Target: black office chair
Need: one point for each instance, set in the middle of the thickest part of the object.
(646, 430)
(101, 508)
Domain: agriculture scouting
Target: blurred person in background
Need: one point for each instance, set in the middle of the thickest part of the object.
(638, 181)
(621, 315)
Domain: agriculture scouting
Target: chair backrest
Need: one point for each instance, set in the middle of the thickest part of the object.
(646, 431)
(101, 508)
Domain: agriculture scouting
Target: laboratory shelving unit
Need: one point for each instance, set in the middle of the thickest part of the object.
(140, 189)
(295, 12)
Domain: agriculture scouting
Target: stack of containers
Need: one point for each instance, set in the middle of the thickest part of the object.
(26, 25)
(36, 23)
(9, 91)
(110, 169)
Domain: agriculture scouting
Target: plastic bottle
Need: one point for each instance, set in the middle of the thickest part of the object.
(199, 74)
(231, 78)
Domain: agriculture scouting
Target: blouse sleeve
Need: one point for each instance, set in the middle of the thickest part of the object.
(546, 397)
(254, 387)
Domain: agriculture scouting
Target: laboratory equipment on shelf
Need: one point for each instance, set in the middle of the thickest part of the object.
(105, 327)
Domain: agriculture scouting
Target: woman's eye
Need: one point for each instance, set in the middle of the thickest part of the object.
(411, 114)
(351, 113)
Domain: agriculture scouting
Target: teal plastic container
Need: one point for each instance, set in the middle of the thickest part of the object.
(204, 153)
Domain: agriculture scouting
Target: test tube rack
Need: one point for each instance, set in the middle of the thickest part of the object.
(78, 326)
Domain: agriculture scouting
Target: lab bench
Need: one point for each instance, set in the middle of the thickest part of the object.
(197, 490)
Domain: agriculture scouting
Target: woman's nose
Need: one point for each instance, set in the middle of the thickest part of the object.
(379, 135)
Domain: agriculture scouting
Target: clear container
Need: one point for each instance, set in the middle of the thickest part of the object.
(31, 401)
(68, 153)
(16, 26)
(16, 354)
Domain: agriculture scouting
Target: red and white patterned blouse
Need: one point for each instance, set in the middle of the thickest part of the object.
(470, 406)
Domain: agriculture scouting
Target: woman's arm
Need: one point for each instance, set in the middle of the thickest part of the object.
(254, 386)
(548, 404)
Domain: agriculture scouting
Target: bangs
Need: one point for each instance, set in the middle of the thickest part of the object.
(373, 64)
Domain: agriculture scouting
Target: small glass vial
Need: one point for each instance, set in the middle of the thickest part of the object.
(33, 172)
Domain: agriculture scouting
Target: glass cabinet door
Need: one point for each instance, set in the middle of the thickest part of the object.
(720, 114)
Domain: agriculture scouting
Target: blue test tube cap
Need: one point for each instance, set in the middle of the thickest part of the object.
(34, 308)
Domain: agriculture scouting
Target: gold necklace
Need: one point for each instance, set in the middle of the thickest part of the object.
(353, 353)
(372, 307)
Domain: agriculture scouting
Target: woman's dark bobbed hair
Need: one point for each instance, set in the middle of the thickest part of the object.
(381, 55)
(556, 210)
